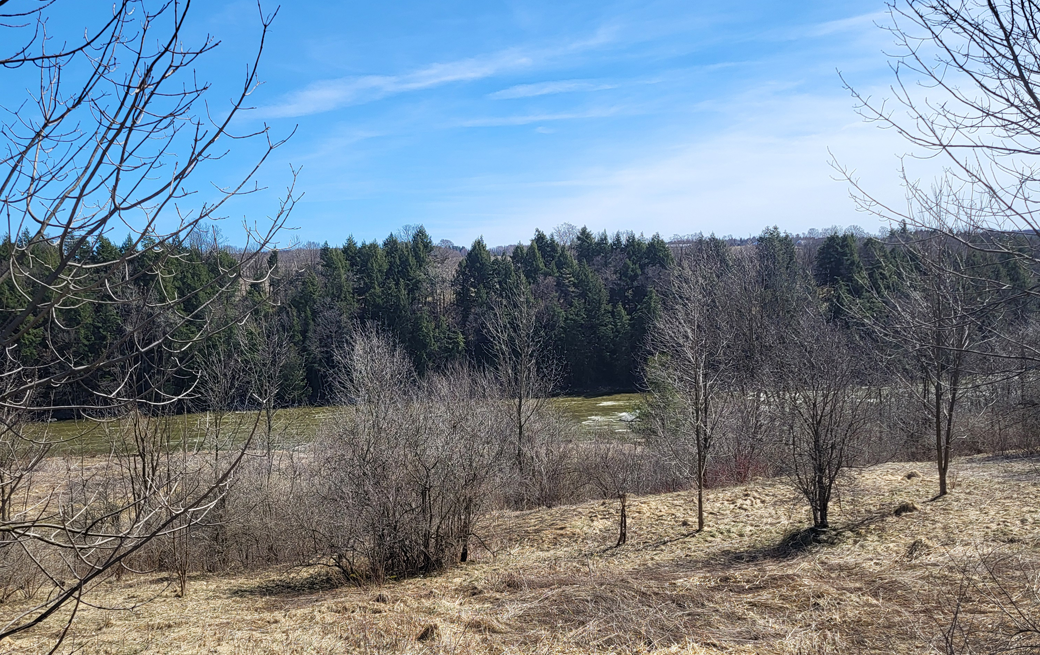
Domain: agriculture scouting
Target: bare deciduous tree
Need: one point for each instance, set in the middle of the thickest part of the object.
(406, 471)
(272, 370)
(819, 398)
(691, 337)
(614, 472)
(936, 325)
(109, 145)
(966, 75)
(521, 363)
(565, 234)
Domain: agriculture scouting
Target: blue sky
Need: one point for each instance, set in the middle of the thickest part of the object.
(495, 118)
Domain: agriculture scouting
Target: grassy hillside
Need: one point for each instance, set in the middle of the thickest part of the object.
(549, 582)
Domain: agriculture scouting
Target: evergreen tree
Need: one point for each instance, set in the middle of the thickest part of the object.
(839, 272)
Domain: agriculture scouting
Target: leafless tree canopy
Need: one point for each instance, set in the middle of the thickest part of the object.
(820, 399)
(113, 141)
(522, 363)
(108, 147)
(938, 324)
(408, 469)
(966, 90)
(688, 379)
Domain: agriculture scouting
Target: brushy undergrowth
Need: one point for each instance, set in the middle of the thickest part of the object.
(550, 580)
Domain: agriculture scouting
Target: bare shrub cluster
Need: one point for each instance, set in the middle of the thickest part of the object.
(406, 469)
(398, 478)
(402, 476)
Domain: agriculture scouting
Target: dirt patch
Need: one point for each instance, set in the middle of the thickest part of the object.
(294, 583)
(905, 508)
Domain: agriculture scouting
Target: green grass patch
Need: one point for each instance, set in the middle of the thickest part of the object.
(294, 426)
(602, 414)
(290, 427)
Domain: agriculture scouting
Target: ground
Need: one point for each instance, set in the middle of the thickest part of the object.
(549, 582)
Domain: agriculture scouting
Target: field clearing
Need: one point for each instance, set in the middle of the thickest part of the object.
(293, 426)
(298, 425)
(602, 415)
(550, 582)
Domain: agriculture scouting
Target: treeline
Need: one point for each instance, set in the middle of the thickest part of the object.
(595, 297)
(104, 317)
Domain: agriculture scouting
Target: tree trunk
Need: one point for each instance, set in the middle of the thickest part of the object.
(824, 522)
(823, 504)
(520, 431)
(623, 524)
(701, 434)
(941, 458)
(700, 503)
(701, 463)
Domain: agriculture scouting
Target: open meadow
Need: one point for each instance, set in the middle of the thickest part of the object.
(295, 426)
(549, 580)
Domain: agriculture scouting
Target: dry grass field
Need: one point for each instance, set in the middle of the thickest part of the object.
(547, 581)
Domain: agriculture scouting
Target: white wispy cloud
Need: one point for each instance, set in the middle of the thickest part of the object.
(771, 167)
(848, 30)
(527, 119)
(853, 23)
(326, 95)
(549, 88)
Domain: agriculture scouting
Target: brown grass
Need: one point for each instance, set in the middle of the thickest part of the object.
(551, 583)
